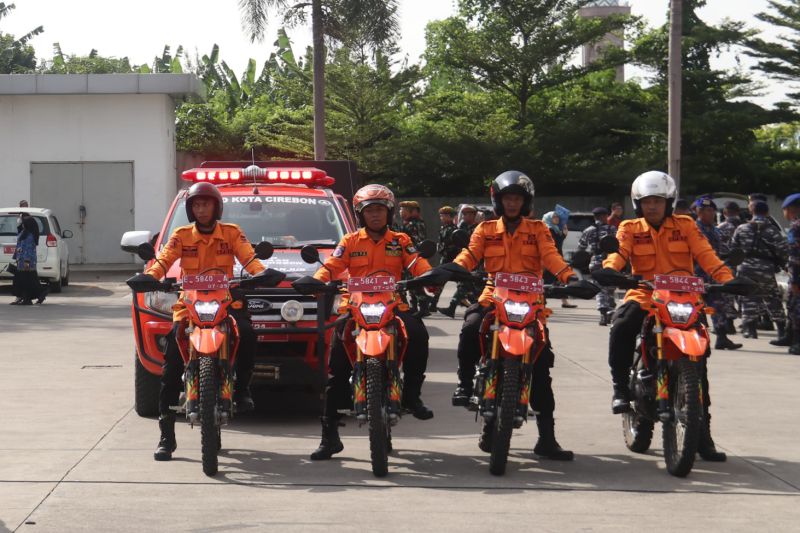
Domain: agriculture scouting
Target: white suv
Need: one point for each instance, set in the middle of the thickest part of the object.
(52, 254)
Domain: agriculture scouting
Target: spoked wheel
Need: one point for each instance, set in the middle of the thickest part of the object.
(209, 430)
(376, 414)
(636, 428)
(504, 419)
(682, 433)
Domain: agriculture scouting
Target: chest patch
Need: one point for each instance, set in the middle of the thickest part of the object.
(224, 249)
(358, 254)
(189, 251)
(642, 238)
(676, 236)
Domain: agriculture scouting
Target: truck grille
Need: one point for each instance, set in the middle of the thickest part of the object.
(265, 304)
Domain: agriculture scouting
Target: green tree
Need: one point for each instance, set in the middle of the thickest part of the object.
(780, 58)
(520, 47)
(93, 63)
(16, 55)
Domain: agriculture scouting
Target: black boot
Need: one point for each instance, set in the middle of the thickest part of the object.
(724, 343)
(603, 317)
(730, 327)
(749, 330)
(331, 443)
(449, 311)
(412, 389)
(487, 435)
(764, 323)
(621, 400)
(706, 447)
(167, 444)
(784, 335)
(794, 349)
(547, 446)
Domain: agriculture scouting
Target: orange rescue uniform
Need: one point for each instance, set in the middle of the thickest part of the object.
(671, 249)
(530, 249)
(199, 252)
(361, 256)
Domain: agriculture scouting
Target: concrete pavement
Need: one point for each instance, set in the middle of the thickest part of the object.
(75, 457)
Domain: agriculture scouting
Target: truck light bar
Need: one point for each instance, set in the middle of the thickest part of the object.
(312, 177)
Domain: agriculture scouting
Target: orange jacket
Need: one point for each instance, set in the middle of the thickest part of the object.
(199, 252)
(361, 256)
(530, 249)
(672, 248)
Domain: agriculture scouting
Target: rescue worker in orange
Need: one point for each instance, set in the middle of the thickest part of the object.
(373, 248)
(657, 242)
(204, 244)
(512, 243)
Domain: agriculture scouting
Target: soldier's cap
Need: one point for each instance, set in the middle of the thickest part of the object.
(410, 203)
(792, 199)
(757, 197)
(599, 211)
(447, 210)
(732, 206)
(469, 207)
(704, 202)
(760, 208)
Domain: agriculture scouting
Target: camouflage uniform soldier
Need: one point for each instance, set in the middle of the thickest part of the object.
(590, 242)
(791, 210)
(465, 292)
(445, 247)
(706, 211)
(414, 227)
(766, 251)
(732, 221)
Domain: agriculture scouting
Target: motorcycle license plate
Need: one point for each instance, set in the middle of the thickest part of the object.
(665, 282)
(205, 282)
(371, 284)
(9, 249)
(519, 282)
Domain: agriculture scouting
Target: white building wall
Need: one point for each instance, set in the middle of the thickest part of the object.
(70, 128)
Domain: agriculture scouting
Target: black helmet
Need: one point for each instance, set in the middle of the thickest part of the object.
(515, 182)
(209, 191)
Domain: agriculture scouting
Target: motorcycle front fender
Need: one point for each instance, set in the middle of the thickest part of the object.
(373, 342)
(515, 341)
(207, 341)
(690, 342)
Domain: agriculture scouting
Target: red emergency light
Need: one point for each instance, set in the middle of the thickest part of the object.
(312, 177)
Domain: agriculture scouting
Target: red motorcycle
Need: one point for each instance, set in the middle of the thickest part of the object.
(375, 341)
(512, 336)
(209, 342)
(665, 379)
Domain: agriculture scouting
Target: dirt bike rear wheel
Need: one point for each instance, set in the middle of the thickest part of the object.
(376, 414)
(504, 419)
(682, 433)
(636, 429)
(209, 431)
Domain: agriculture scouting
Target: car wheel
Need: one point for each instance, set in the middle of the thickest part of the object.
(55, 286)
(65, 280)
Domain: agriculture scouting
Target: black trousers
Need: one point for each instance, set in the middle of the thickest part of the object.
(626, 325)
(469, 353)
(172, 368)
(26, 285)
(338, 394)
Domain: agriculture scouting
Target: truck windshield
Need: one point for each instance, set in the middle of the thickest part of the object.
(285, 221)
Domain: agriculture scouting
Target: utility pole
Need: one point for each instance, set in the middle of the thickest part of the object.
(675, 90)
(319, 80)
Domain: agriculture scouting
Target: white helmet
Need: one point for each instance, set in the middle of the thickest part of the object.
(653, 183)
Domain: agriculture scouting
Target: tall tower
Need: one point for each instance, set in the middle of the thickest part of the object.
(604, 8)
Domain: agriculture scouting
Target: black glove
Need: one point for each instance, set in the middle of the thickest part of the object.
(741, 286)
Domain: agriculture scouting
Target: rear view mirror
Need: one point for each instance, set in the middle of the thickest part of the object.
(66, 234)
(581, 260)
(264, 250)
(461, 238)
(309, 254)
(609, 244)
(146, 251)
(130, 240)
(427, 249)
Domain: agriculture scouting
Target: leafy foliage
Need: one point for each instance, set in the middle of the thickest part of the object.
(16, 55)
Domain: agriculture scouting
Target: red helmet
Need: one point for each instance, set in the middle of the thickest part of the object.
(207, 190)
(373, 194)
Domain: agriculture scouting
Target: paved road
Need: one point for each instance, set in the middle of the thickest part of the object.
(74, 456)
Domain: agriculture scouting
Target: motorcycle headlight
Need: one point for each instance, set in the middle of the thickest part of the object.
(207, 311)
(680, 313)
(517, 311)
(292, 311)
(161, 301)
(372, 313)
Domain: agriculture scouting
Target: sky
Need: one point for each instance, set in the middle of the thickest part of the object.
(139, 30)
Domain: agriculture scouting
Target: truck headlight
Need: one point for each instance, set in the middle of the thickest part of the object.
(292, 311)
(372, 313)
(161, 301)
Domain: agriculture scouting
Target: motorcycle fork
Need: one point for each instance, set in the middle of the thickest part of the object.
(192, 383)
(359, 387)
(525, 389)
(395, 385)
(226, 377)
(489, 400)
(662, 376)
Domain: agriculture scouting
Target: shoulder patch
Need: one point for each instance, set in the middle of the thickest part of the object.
(411, 249)
(338, 252)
